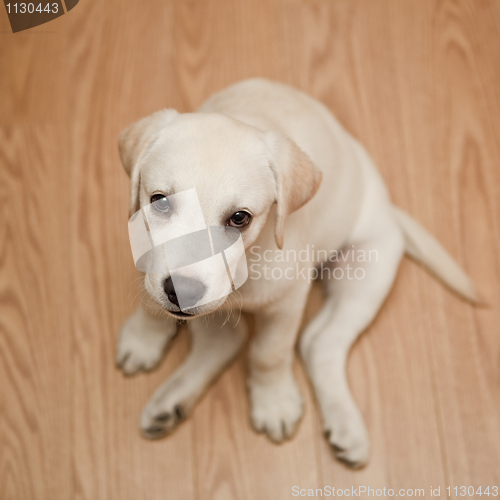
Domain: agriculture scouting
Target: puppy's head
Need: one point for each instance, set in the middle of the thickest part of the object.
(238, 172)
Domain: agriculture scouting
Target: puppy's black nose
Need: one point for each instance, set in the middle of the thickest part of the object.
(168, 286)
(190, 291)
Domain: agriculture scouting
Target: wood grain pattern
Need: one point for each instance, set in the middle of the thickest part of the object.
(415, 81)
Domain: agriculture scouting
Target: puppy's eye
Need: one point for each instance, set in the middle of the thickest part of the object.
(160, 202)
(239, 219)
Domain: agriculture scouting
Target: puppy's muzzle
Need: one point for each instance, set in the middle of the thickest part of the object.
(204, 264)
(191, 290)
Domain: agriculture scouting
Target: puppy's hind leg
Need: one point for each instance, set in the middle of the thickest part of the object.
(352, 302)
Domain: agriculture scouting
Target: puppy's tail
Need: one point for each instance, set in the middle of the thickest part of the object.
(424, 248)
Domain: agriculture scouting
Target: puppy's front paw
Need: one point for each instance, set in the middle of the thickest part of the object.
(141, 344)
(346, 434)
(156, 423)
(276, 408)
(168, 407)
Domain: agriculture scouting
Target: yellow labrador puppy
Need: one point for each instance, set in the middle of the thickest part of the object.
(308, 202)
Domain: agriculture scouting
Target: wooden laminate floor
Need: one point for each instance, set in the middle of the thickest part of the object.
(417, 81)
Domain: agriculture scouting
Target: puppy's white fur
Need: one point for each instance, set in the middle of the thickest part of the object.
(277, 153)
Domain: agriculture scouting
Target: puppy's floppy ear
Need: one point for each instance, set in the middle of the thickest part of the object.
(134, 142)
(297, 178)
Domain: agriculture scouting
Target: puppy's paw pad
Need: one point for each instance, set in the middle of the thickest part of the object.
(349, 443)
(157, 422)
(153, 432)
(163, 417)
(276, 409)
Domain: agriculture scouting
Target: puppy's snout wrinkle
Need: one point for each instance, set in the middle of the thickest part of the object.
(190, 291)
